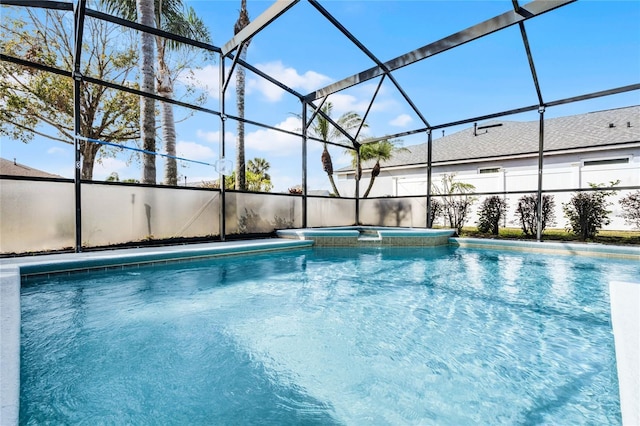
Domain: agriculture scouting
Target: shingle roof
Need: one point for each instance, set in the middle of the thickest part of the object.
(11, 168)
(521, 137)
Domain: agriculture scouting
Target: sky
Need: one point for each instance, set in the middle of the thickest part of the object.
(584, 47)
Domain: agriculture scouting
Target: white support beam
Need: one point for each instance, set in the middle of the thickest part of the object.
(258, 24)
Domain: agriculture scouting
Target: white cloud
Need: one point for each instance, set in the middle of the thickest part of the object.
(213, 137)
(283, 180)
(401, 120)
(359, 101)
(277, 143)
(56, 150)
(103, 168)
(342, 160)
(288, 76)
(194, 151)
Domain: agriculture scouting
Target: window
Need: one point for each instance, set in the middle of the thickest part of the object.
(489, 170)
(608, 161)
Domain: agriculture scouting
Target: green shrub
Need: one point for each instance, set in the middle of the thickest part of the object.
(436, 210)
(587, 212)
(631, 209)
(492, 210)
(456, 200)
(527, 212)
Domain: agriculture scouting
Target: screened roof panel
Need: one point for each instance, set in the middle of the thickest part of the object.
(301, 49)
(484, 76)
(450, 75)
(586, 47)
(416, 23)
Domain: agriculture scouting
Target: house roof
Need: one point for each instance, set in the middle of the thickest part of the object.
(508, 138)
(12, 168)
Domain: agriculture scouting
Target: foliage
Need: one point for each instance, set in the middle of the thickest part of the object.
(297, 190)
(35, 102)
(171, 16)
(527, 212)
(587, 211)
(282, 223)
(379, 151)
(492, 210)
(631, 209)
(248, 222)
(258, 180)
(456, 200)
(114, 177)
(322, 129)
(436, 211)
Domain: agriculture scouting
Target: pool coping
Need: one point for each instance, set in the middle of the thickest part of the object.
(547, 247)
(12, 271)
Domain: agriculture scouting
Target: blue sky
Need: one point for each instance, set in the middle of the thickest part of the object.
(581, 48)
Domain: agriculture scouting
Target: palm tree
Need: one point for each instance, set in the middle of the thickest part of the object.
(322, 129)
(243, 21)
(145, 13)
(173, 17)
(379, 151)
(257, 177)
(259, 166)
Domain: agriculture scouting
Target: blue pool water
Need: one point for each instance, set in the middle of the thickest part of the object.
(326, 336)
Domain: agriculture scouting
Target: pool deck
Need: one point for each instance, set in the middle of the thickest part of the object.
(547, 247)
(625, 297)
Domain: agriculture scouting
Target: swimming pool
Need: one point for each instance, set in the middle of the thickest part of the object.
(326, 336)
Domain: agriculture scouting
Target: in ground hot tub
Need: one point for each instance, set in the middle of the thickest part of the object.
(370, 236)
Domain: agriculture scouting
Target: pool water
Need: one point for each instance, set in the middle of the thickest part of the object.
(326, 336)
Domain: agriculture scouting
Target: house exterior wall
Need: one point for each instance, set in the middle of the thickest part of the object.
(560, 172)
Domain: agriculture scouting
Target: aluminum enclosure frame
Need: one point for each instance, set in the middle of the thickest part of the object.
(382, 70)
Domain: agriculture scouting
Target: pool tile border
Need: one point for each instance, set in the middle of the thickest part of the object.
(349, 236)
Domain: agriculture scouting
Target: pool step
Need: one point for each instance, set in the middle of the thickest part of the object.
(369, 237)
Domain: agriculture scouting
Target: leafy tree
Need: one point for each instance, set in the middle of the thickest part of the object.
(492, 210)
(527, 212)
(34, 102)
(587, 211)
(243, 21)
(171, 16)
(631, 209)
(379, 151)
(113, 177)
(456, 200)
(322, 129)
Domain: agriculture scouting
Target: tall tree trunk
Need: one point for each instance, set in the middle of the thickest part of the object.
(89, 152)
(374, 174)
(327, 166)
(243, 21)
(146, 15)
(165, 89)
